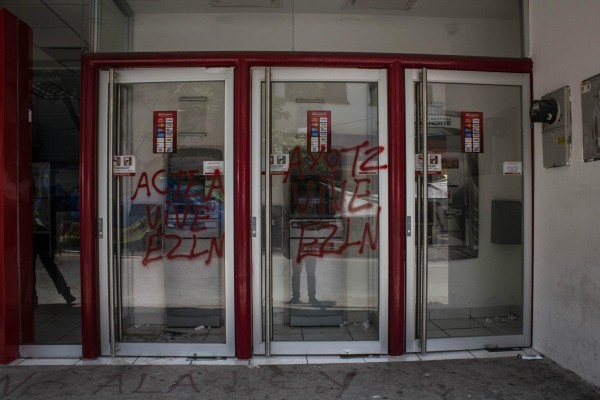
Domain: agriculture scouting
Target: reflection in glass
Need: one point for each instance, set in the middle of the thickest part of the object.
(325, 212)
(475, 267)
(170, 274)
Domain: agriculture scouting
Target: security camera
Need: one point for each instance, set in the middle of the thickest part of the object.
(546, 111)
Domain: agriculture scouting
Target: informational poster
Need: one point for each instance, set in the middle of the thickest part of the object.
(165, 132)
(319, 131)
(211, 167)
(434, 164)
(123, 165)
(471, 127)
(280, 164)
(512, 168)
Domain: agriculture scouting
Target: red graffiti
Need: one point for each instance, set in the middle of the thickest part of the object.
(332, 160)
(189, 208)
(171, 247)
(323, 246)
(186, 179)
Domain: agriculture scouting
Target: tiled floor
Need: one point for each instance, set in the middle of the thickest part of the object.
(278, 360)
(470, 324)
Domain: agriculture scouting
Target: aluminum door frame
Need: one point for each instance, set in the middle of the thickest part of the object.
(413, 344)
(321, 75)
(155, 75)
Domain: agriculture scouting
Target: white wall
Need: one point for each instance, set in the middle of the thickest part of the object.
(565, 50)
(326, 32)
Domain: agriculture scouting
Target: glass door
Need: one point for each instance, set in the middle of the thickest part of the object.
(469, 197)
(320, 182)
(165, 204)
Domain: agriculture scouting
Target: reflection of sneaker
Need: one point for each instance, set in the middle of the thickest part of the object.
(295, 300)
(69, 298)
(313, 301)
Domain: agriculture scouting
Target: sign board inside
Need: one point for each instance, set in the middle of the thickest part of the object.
(434, 164)
(318, 132)
(280, 164)
(164, 132)
(471, 127)
(124, 165)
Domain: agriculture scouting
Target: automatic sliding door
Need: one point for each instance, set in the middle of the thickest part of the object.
(473, 222)
(169, 201)
(328, 229)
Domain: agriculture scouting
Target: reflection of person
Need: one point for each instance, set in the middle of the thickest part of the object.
(43, 247)
(310, 263)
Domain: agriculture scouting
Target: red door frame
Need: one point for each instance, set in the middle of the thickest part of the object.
(242, 62)
(16, 303)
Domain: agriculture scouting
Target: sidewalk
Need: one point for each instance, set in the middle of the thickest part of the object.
(500, 378)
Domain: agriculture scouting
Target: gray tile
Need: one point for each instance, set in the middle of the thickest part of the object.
(507, 330)
(363, 334)
(288, 338)
(286, 330)
(215, 338)
(327, 337)
(470, 332)
(449, 313)
(500, 322)
(436, 334)
(456, 323)
(446, 355)
(320, 330)
(479, 312)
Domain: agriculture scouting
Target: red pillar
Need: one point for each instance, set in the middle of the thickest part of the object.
(15, 135)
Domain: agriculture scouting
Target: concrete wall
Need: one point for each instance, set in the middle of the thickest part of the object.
(565, 51)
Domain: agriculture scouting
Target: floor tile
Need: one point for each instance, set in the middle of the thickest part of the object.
(445, 355)
(109, 361)
(456, 323)
(496, 354)
(288, 360)
(383, 359)
(219, 361)
(342, 337)
(16, 362)
(502, 321)
(507, 330)
(334, 360)
(162, 361)
(50, 361)
(469, 332)
(287, 338)
(436, 334)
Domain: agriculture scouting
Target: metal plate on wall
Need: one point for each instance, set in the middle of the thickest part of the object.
(590, 109)
(556, 137)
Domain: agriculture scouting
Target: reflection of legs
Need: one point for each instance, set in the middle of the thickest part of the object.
(40, 248)
(311, 280)
(296, 270)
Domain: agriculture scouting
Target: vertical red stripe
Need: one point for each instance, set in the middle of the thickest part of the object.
(9, 243)
(397, 210)
(24, 171)
(243, 249)
(88, 214)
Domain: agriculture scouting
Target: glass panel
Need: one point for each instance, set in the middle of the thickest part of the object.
(55, 246)
(170, 213)
(325, 211)
(60, 31)
(475, 217)
(113, 28)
